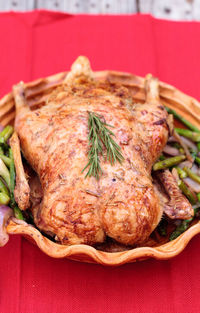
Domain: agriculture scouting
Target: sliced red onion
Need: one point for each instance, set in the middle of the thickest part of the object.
(193, 185)
(184, 146)
(172, 139)
(185, 164)
(189, 143)
(5, 214)
(171, 150)
(195, 169)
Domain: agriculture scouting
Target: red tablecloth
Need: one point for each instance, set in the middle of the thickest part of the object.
(42, 43)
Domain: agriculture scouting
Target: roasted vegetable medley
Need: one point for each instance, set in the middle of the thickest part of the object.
(181, 156)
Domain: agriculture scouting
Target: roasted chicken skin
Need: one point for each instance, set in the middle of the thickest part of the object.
(122, 204)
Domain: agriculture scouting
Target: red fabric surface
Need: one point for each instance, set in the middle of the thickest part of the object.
(42, 43)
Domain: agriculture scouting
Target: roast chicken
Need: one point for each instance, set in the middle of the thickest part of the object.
(123, 203)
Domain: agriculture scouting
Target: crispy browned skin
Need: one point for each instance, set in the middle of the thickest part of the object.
(123, 203)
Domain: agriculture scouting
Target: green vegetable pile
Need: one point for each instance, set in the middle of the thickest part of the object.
(193, 134)
(7, 172)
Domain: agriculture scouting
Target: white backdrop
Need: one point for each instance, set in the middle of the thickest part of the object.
(169, 9)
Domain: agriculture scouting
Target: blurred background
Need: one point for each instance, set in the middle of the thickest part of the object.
(168, 9)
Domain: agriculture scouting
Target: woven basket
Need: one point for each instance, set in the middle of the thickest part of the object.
(36, 94)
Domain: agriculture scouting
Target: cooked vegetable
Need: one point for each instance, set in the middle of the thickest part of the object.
(4, 198)
(195, 168)
(4, 173)
(173, 142)
(189, 143)
(192, 175)
(182, 173)
(184, 147)
(186, 191)
(171, 150)
(6, 133)
(182, 119)
(5, 159)
(185, 163)
(7, 194)
(181, 150)
(197, 160)
(194, 136)
(12, 178)
(3, 188)
(193, 185)
(17, 211)
(190, 185)
(168, 162)
(182, 227)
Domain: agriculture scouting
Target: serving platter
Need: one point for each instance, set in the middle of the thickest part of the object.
(37, 92)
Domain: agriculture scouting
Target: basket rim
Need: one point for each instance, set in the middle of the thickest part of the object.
(55, 250)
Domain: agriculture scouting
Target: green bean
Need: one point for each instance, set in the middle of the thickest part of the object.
(198, 196)
(3, 188)
(180, 229)
(182, 174)
(18, 213)
(188, 134)
(5, 159)
(182, 119)
(186, 191)
(192, 175)
(4, 198)
(12, 178)
(198, 146)
(168, 162)
(6, 133)
(181, 150)
(197, 160)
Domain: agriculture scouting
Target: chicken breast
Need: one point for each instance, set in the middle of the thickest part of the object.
(122, 204)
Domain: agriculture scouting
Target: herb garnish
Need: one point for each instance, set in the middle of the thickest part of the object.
(100, 137)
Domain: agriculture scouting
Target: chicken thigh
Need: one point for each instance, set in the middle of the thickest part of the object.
(122, 204)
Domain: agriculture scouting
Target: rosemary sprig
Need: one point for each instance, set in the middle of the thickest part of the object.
(100, 136)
